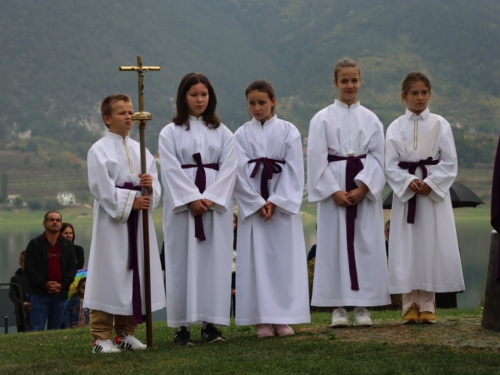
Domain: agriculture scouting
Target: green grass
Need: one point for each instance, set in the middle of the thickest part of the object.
(315, 349)
(75, 215)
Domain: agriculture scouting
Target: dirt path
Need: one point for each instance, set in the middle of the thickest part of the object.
(455, 332)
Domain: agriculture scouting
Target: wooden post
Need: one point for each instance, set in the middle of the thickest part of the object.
(491, 312)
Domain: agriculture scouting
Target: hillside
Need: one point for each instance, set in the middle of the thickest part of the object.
(61, 58)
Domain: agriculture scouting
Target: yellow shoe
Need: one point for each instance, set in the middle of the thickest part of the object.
(411, 315)
(427, 317)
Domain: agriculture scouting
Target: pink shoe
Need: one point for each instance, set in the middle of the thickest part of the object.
(264, 330)
(283, 330)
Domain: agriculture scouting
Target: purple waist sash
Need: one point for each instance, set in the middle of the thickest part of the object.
(201, 182)
(271, 166)
(352, 168)
(133, 263)
(412, 167)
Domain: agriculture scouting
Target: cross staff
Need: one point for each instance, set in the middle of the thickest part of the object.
(141, 118)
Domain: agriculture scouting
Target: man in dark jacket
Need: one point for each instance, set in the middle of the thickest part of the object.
(50, 264)
(21, 279)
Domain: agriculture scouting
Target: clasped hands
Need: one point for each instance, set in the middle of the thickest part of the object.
(267, 210)
(200, 206)
(351, 198)
(144, 202)
(53, 287)
(420, 187)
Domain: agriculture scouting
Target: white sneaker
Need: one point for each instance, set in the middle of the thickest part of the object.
(129, 343)
(340, 318)
(104, 346)
(362, 317)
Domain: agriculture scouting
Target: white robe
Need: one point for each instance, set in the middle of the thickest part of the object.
(198, 273)
(423, 255)
(339, 130)
(271, 277)
(111, 162)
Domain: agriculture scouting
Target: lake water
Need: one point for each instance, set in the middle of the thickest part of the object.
(473, 238)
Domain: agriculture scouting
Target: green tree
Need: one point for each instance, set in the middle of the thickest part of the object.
(18, 202)
(34, 204)
(53, 204)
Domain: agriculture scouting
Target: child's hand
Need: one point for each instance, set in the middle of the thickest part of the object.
(340, 198)
(146, 181)
(424, 189)
(267, 210)
(355, 195)
(207, 202)
(141, 203)
(415, 186)
(197, 207)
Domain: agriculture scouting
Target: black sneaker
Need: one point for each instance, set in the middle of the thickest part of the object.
(211, 334)
(182, 337)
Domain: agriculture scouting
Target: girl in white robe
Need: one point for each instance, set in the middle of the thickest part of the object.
(345, 165)
(272, 270)
(421, 165)
(198, 170)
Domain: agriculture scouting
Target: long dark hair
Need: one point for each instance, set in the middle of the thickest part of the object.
(209, 116)
(80, 282)
(64, 226)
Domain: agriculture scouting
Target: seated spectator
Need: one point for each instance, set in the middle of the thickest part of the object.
(75, 315)
(67, 231)
(312, 252)
(21, 279)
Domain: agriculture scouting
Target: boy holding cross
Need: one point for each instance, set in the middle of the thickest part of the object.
(115, 281)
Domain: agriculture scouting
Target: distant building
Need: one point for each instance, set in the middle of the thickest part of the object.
(24, 135)
(11, 198)
(66, 198)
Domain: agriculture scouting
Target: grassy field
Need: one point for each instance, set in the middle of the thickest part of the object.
(83, 215)
(386, 348)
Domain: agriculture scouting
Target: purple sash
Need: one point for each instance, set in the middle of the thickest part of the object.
(271, 166)
(412, 167)
(352, 168)
(133, 264)
(201, 182)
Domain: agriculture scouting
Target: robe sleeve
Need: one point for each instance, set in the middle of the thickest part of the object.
(372, 174)
(180, 189)
(441, 176)
(290, 187)
(153, 172)
(249, 199)
(115, 201)
(398, 178)
(321, 182)
(221, 190)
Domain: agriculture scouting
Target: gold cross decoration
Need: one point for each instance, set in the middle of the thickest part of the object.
(140, 117)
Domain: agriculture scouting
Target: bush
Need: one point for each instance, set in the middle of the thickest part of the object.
(53, 204)
(34, 204)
